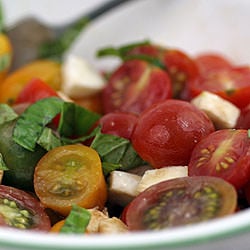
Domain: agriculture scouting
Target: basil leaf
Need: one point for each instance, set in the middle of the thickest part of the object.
(6, 113)
(3, 165)
(48, 140)
(76, 120)
(31, 122)
(77, 221)
(117, 151)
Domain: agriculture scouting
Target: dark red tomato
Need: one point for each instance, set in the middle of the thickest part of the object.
(243, 121)
(225, 154)
(180, 66)
(21, 210)
(167, 132)
(211, 62)
(180, 201)
(118, 123)
(231, 84)
(35, 90)
(135, 86)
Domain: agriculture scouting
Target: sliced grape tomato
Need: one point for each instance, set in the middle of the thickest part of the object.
(180, 201)
(20, 210)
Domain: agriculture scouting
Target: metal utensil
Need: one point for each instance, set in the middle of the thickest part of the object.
(31, 39)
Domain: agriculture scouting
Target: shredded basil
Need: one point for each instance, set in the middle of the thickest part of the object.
(77, 221)
(6, 113)
(3, 165)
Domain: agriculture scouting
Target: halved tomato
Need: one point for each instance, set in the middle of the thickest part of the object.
(225, 154)
(21, 210)
(68, 175)
(135, 86)
(180, 201)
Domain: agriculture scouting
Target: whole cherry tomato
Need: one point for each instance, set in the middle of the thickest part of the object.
(225, 154)
(135, 86)
(167, 132)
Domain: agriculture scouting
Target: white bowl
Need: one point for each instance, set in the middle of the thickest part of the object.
(192, 25)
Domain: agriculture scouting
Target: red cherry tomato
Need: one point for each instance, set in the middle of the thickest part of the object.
(243, 121)
(118, 123)
(135, 86)
(180, 201)
(231, 84)
(211, 62)
(35, 90)
(167, 132)
(225, 154)
(180, 66)
(21, 210)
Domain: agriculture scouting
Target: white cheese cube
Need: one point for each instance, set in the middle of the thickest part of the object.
(80, 79)
(223, 113)
(155, 176)
(122, 187)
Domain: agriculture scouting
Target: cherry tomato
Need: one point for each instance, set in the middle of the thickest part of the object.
(21, 210)
(208, 62)
(232, 84)
(225, 154)
(118, 123)
(5, 55)
(180, 201)
(35, 90)
(180, 66)
(167, 132)
(135, 86)
(70, 174)
(47, 70)
(243, 121)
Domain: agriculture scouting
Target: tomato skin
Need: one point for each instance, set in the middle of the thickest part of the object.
(135, 86)
(243, 121)
(174, 202)
(35, 90)
(118, 123)
(232, 84)
(225, 154)
(208, 62)
(28, 202)
(70, 174)
(167, 132)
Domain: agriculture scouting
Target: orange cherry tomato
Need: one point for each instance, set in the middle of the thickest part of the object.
(5, 55)
(47, 70)
(70, 174)
(57, 226)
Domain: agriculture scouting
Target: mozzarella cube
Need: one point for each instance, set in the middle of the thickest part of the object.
(122, 187)
(80, 79)
(223, 113)
(152, 177)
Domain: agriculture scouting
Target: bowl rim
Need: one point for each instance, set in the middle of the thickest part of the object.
(183, 236)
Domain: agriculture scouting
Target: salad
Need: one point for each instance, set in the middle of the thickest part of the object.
(160, 141)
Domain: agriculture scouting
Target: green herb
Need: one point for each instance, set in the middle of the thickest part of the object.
(31, 122)
(76, 120)
(123, 53)
(77, 221)
(1, 18)
(6, 113)
(116, 152)
(48, 140)
(3, 165)
(5, 60)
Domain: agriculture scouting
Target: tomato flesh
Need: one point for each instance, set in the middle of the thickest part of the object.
(167, 132)
(180, 201)
(225, 154)
(20, 210)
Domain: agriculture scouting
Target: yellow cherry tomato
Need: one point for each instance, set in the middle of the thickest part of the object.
(70, 174)
(5, 55)
(47, 70)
